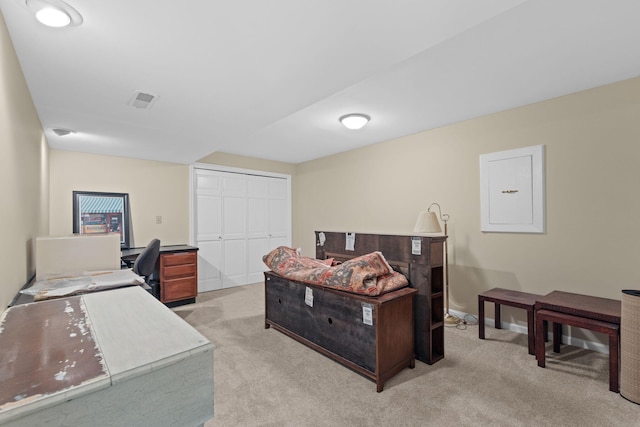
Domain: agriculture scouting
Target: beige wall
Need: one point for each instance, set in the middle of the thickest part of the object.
(591, 245)
(592, 202)
(154, 188)
(24, 174)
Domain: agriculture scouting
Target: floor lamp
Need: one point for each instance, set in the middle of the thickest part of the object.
(428, 223)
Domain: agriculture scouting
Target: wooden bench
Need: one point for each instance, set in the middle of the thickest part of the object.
(582, 311)
(559, 319)
(517, 299)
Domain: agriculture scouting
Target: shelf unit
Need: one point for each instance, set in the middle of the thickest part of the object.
(420, 259)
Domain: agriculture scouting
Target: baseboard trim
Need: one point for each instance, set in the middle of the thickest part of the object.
(19, 295)
(593, 344)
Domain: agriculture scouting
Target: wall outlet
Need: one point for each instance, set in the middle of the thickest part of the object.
(159, 219)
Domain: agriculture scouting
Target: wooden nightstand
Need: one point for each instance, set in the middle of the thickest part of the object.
(178, 275)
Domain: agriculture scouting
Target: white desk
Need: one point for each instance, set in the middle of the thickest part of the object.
(110, 358)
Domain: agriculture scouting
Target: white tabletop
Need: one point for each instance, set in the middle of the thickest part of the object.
(137, 334)
(129, 333)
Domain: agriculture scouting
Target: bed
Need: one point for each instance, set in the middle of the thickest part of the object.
(358, 313)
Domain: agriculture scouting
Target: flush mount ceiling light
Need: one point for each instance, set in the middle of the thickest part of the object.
(54, 13)
(63, 132)
(53, 17)
(354, 121)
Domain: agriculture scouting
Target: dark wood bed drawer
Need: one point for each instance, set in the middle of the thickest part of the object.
(334, 322)
(377, 347)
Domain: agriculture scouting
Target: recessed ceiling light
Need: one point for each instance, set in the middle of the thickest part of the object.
(53, 17)
(54, 13)
(354, 121)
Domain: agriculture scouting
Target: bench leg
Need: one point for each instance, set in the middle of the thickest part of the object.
(498, 317)
(557, 336)
(540, 330)
(613, 362)
(530, 332)
(480, 317)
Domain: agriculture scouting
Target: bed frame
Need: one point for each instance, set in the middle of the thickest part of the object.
(373, 336)
(420, 259)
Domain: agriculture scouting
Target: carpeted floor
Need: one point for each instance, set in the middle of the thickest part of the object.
(264, 378)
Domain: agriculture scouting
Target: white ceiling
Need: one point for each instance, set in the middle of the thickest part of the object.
(269, 79)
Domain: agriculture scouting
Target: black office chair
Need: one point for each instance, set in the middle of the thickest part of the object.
(145, 265)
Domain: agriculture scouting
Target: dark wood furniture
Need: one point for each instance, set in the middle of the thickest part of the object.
(177, 272)
(582, 311)
(178, 276)
(498, 297)
(420, 259)
(370, 335)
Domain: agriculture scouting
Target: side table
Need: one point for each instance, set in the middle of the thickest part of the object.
(582, 311)
(499, 296)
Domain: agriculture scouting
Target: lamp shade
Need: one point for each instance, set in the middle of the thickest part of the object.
(427, 222)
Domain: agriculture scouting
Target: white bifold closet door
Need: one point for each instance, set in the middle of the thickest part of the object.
(239, 218)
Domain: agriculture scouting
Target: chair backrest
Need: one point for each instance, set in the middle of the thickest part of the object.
(146, 262)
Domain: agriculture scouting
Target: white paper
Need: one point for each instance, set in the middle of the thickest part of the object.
(322, 238)
(82, 282)
(416, 246)
(308, 296)
(367, 314)
(350, 242)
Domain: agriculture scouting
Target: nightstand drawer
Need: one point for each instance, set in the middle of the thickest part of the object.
(178, 258)
(178, 289)
(177, 271)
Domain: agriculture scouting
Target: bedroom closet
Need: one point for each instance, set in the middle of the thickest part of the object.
(238, 216)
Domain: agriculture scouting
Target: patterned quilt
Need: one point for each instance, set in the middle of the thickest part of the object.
(368, 274)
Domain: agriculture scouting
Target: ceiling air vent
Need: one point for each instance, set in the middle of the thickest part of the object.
(142, 100)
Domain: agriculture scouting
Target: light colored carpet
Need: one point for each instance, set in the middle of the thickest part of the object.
(264, 378)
